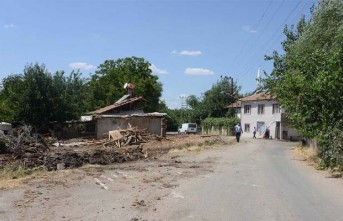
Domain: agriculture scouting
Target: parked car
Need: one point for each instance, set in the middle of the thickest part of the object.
(188, 128)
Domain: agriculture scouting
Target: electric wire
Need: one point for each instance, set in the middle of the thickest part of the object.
(274, 37)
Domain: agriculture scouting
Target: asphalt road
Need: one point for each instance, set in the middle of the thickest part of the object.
(258, 180)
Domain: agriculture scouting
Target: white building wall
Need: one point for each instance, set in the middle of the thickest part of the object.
(268, 118)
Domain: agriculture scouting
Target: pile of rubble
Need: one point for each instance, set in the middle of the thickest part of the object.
(21, 140)
(119, 138)
(23, 147)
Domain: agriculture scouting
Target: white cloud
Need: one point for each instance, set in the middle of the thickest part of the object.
(81, 66)
(191, 53)
(10, 26)
(198, 71)
(187, 53)
(156, 70)
(247, 28)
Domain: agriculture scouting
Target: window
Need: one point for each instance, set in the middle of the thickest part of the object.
(247, 109)
(247, 128)
(276, 109)
(260, 109)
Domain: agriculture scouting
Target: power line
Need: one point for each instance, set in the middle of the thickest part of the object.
(275, 36)
(279, 30)
(257, 26)
(267, 25)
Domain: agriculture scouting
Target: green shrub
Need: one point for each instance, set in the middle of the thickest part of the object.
(16, 171)
(220, 123)
(331, 150)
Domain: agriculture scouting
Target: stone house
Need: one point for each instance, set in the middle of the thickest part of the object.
(125, 113)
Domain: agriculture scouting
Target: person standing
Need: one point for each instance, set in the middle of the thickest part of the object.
(238, 131)
(254, 133)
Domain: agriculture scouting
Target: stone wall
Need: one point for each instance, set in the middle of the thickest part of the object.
(152, 123)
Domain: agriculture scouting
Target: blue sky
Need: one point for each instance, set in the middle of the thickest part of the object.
(189, 43)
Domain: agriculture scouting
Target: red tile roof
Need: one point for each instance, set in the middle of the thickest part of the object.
(237, 104)
(259, 96)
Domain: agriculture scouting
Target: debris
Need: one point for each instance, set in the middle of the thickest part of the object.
(24, 148)
(119, 138)
(21, 140)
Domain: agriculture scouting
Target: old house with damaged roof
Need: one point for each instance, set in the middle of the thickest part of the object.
(261, 110)
(125, 113)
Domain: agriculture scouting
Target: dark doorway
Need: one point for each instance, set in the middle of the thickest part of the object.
(277, 130)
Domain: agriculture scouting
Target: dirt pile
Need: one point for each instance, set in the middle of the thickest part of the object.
(21, 140)
(73, 159)
(22, 148)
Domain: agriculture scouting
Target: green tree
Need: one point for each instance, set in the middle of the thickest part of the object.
(214, 101)
(106, 85)
(38, 97)
(308, 77)
(12, 89)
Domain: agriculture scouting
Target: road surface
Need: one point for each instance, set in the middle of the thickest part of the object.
(252, 180)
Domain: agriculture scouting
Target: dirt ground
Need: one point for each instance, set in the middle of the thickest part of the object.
(123, 191)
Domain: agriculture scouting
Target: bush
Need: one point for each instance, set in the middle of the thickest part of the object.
(331, 150)
(220, 123)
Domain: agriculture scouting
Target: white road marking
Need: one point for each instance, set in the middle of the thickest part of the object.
(248, 184)
(108, 178)
(177, 195)
(97, 181)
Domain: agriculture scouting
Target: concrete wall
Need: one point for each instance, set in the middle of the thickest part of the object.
(152, 123)
(289, 133)
(268, 118)
(215, 131)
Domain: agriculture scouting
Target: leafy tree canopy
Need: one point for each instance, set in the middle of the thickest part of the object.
(308, 77)
(37, 97)
(214, 101)
(106, 85)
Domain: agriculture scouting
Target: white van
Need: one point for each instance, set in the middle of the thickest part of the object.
(188, 128)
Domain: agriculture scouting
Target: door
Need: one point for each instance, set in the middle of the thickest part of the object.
(261, 128)
(277, 130)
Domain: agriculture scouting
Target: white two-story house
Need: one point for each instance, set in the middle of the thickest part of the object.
(262, 111)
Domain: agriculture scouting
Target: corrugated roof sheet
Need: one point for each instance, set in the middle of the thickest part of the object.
(117, 105)
(154, 114)
(126, 96)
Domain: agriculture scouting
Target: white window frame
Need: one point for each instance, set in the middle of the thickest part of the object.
(247, 109)
(276, 108)
(260, 109)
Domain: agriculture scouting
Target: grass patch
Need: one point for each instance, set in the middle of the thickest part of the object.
(308, 154)
(15, 175)
(194, 147)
